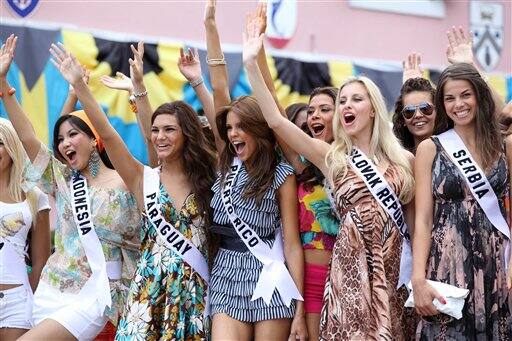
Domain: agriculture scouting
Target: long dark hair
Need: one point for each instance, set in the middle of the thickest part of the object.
(311, 175)
(79, 124)
(264, 160)
(487, 132)
(198, 158)
(399, 128)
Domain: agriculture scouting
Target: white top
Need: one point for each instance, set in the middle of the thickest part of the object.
(15, 222)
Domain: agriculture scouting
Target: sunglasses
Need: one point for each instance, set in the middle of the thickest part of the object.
(409, 110)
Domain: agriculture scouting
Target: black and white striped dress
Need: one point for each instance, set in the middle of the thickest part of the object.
(235, 274)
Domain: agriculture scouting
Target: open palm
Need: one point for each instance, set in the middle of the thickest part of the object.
(120, 82)
(66, 63)
(189, 64)
(253, 41)
(7, 54)
(460, 46)
(136, 63)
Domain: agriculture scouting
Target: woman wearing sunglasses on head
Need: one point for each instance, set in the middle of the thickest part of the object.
(461, 235)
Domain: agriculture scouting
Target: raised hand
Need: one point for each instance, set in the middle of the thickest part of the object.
(460, 46)
(136, 64)
(189, 64)
(209, 11)
(7, 54)
(85, 77)
(412, 67)
(66, 63)
(259, 17)
(252, 40)
(120, 82)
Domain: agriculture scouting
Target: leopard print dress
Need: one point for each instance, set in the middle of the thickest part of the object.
(361, 301)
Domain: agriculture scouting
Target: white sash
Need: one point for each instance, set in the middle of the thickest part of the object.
(97, 285)
(477, 182)
(172, 238)
(274, 274)
(388, 200)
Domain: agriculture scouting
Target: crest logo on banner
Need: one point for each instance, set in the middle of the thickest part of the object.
(486, 22)
(23, 7)
(281, 22)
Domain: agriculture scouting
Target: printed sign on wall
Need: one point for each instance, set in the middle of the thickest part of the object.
(486, 22)
(281, 22)
(23, 7)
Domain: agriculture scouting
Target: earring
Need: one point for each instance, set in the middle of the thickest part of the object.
(94, 163)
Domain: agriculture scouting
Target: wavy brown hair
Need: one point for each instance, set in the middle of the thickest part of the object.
(264, 161)
(399, 128)
(198, 158)
(487, 132)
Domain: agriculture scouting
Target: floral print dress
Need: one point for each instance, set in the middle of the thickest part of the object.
(167, 298)
(468, 252)
(116, 220)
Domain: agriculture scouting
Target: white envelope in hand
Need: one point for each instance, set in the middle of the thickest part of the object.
(454, 298)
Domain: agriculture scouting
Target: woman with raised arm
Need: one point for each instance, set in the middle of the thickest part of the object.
(461, 237)
(167, 298)
(415, 114)
(21, 210)
(85, 280)
(142, 111)
(255, 213)
(372, 179)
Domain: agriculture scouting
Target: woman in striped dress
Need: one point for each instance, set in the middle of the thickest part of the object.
(262, 194)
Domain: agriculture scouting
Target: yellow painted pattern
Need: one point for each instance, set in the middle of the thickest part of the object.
(499, 84)
(339, 71)
(35, 105)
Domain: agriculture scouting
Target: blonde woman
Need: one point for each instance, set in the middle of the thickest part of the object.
(20, 210)
(361, 299)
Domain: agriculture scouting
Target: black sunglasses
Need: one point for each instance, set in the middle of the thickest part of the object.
(409, 110)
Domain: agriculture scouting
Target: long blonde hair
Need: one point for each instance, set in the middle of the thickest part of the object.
(383, 143)
(14, 148)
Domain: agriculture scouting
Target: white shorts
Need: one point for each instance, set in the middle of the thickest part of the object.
(13, 308)
(82, 317)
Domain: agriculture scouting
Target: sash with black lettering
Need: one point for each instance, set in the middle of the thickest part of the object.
(477, 182)
(97, 285)
(388, 200)
(274, 275)
(171, 237)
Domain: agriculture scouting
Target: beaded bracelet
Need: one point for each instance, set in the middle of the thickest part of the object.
(10, 92)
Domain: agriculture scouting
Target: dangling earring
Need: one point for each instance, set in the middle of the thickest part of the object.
(94, 163)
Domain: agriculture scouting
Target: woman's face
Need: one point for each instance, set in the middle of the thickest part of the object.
(75, 146)
(242, 143)
(419, 105)
(5, 159)
(460, 101)
(319, 119)
(167, 137)
(356, 111)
